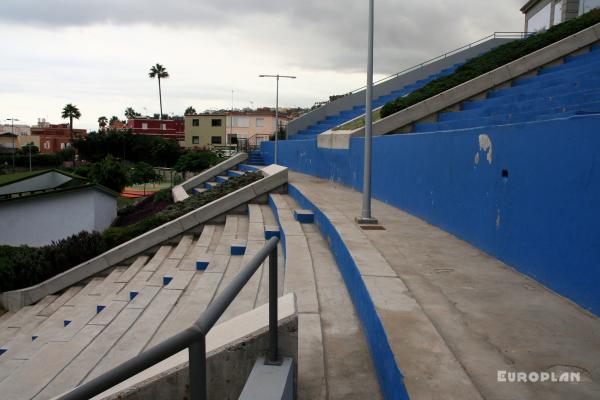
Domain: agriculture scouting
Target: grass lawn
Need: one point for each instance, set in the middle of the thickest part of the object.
(8, 178)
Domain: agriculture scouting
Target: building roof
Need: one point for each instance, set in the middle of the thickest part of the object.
(529, 5)
(76, 183)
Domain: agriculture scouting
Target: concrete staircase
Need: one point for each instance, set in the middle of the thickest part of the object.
(342, 117)
(255, 158)
(65, 340)
(333, 358)
(557, 91)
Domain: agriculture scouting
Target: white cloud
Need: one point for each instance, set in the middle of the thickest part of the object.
(96, 54)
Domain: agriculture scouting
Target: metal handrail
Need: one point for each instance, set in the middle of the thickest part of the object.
(495, 35)
(194, 337)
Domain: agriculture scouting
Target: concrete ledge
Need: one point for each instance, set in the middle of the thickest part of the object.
(274, 177)
(180, 191)
(468, 89)
(232, 349)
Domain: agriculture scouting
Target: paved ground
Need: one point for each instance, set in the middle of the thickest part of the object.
(473, 315)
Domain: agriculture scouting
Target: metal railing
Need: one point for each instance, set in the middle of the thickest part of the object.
(495, 35)
(253, 142)
(194, 337)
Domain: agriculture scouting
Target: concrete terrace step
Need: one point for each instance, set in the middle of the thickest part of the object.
(349, 369)
(300, 279)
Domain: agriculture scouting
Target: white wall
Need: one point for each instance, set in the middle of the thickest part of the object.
(38, 221)
(48, 180)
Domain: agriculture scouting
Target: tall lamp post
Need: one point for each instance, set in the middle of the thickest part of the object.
(12, 120)
(276, 106)
(366, 217)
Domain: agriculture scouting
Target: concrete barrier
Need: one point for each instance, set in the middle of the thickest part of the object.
(180, 191)
(232, 349)
(432, 106)
(274, 177)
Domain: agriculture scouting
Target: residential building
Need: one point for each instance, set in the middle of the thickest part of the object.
(245, 125)
(117, 125)
(18, 129)
(54, 138)
(51, 205)
(8, 142)
(165, 128)
(205, 130)
(543, 14)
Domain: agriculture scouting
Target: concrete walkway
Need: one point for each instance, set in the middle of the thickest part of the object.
(455, 316)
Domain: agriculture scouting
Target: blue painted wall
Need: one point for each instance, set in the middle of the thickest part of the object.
(543, 219)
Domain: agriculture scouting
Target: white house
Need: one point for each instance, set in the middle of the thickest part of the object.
(52, 205)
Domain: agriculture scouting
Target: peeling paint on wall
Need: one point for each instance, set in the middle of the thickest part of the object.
(485, 144)
(477, 158)
(498, 220)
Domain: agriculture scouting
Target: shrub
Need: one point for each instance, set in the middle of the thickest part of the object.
(110, 173)
(195, 161)
(493, 59)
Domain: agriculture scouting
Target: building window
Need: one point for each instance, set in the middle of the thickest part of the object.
(144, 125)
(241, 122)
(62, 146)
(216, 140)
(163, 127)
(260, 122)
(216, 122)
(541, 20)
(195, 139)
(195, 122)
(233, 138)
(47, 145)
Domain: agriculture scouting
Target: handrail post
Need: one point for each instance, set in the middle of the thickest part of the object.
(197, 369)
(273, 339)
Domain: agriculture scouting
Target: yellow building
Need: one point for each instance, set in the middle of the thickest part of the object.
(204, 130)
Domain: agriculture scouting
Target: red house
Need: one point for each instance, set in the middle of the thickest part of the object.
(166, 128)
(54, 138)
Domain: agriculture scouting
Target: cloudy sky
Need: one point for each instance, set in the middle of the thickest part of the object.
(97, 53)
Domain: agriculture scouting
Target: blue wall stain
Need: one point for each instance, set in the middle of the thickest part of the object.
(543, 219)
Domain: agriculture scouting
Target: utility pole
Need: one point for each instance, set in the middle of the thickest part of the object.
(13, 140)
(366, 217)
(276, 106)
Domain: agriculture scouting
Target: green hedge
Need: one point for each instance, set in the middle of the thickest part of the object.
(25, 266)
(491, 60)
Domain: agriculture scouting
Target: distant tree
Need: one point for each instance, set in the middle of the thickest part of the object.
(160, 72)
(102, 122)
(143, 173)
(113, 119)
(130, 113)
(110, 173)
(190, 111)
(195, 161)
(71, 112)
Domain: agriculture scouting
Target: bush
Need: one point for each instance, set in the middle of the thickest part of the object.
(493, 59)
(110, 173)
(196, 161)
(24, 266)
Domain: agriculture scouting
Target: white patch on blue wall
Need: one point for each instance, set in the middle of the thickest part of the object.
(485, 145)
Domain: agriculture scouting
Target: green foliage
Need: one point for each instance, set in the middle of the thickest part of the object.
(24, 266)
(491, 60)
(196, 161)
(83, 170)
(124, 145)
(143, 173)
(163, 195)
(24, 151)
(110, 173)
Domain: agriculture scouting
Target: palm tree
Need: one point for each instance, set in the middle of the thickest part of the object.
(71, 111)
(158, 71)
(102, 121)
(190, 111)
(130, 113)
